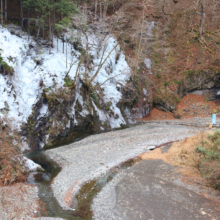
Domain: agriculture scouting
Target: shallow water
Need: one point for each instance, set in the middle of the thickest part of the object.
(83, 200)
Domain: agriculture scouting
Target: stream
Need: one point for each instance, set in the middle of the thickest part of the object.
(83, 200)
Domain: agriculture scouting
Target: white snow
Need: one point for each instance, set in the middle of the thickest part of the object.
(144, 91)
(24, 145)
(30, 165)
(18, 93)
(43, 111)
(148, 63)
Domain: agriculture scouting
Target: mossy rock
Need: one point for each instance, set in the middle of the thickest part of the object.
(5, 68)
(109, 104)
(68, 82)
(96, 100)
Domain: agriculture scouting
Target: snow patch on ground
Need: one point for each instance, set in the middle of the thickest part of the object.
(31, 165)
(43, 111)
(24, 145)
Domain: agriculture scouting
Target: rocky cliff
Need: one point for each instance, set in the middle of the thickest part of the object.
(180, 55)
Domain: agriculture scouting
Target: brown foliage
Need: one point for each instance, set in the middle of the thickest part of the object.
(10, 159)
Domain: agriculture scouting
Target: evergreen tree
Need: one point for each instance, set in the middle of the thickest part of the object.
(46, 11)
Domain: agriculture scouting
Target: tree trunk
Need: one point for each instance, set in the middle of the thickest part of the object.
(38, 32)
(63, 44)
(142, 27)
(203, 18)
(53, 27)
(100, 11)
(49, 34)
(96, 6)
(61, 15)
(6, 16)
(1, 12)
(43, 31)
(66, 52)
(105, 9)
(28, 24)
(57, 44)
(21, 6)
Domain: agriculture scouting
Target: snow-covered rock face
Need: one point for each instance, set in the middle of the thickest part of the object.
(30, 165)
(37, 72)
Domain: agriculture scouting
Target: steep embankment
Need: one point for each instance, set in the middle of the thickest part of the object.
(183, 53)
(50, 96)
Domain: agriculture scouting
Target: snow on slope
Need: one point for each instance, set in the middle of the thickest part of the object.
(18, 93)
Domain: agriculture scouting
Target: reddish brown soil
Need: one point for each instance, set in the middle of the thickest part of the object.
(190, 106)
(156, 114)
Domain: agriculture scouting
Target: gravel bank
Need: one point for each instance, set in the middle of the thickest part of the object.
(152, 189)
(94, 156)
(18, 202)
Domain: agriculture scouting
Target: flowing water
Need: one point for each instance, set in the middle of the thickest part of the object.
(83, 200)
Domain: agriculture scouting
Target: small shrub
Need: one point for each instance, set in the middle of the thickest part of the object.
(158, 75)
(177, 82)
(166, 83)
(178, 100)
(5, 68)
(108, 106)
(68, 82)
(209, 152)
(188, 72)
(96, 100)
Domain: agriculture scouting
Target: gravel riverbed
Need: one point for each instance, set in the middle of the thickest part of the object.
(94, 156)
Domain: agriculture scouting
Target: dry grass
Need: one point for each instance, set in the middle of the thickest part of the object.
(17, 200)
(10, 165)
(197, 155)
(181, 153)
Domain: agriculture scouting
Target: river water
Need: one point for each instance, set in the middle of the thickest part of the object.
(83, 200)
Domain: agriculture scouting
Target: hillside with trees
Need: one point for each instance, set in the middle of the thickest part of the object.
(72, 68)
